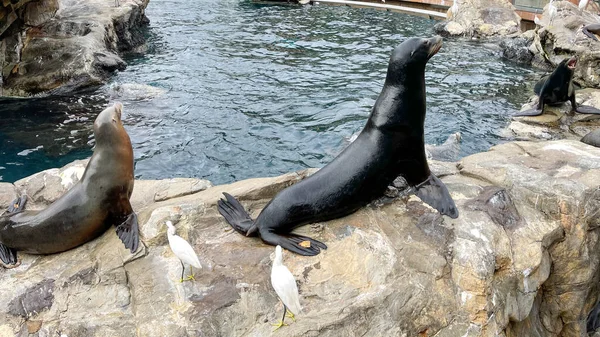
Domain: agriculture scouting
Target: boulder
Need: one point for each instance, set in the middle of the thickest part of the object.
(521, 260)
(557, 38)
(60, 45)
(480, 18)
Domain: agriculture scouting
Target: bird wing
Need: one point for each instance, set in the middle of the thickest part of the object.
(285, 286)
(184, 251)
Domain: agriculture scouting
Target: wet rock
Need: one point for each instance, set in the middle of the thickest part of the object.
(34, 300)
(592, 138)
(61, 45)
(480, 18)
(522, 257)
(517, 48)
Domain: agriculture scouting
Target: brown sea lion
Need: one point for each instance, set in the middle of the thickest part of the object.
(100, 199)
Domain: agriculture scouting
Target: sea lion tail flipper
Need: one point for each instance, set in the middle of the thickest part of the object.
(8, 255)
(434, 193)
(236, 216)
(129, 232)
(298, 244)
(17, 205)
(586, 109)
(530, 112)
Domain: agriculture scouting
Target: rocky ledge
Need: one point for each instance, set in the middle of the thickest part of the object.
(60, 45)
(557, 122)
(521, 260)
(556, 38)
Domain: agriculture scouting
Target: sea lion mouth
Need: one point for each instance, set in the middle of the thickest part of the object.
(436, 45)
(572, 63)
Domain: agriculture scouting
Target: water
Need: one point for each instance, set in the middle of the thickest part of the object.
(240, 90)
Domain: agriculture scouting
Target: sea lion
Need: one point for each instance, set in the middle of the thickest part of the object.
(448, 151)
(592, 138)
(591, 31)
(99, 200)
(391, 144)
(557, 88)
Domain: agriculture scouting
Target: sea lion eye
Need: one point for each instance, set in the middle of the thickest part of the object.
(411, 53)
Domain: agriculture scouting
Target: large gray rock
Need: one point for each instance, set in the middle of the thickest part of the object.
(560, 37)
(66, 44)
(521, 260)
(480, 18)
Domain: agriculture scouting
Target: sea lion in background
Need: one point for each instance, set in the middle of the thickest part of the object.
(591, 31)
(391, 144)
(557, 88)
(448, 151)
(592, 138)
(99, 200)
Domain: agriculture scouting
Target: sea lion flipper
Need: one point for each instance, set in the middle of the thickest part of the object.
(434, 193)
(530, 112)
(586, 109)
(8, 255)
(17, 205)
(589, 34)
(298, 244)
(235, 215)
(129, 232)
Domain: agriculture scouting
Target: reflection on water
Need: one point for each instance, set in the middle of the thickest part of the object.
(230, 90)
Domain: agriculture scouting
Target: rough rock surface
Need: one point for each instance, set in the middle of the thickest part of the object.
(65, 44)
(480, 18)
(521, 260)
(558, 38)
(557, 122)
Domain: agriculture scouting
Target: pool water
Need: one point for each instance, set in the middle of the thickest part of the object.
(230, 90)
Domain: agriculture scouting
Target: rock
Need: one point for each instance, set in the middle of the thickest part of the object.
(592, 138)
(517, 49)
(79, 42)
(480, 18)
(521, 260)
(448, 151)
(553, 40)
(556, 122)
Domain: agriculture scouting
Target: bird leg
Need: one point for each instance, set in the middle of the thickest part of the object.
(182, 270)
(280, 324)
(191, 277)
(290, 315)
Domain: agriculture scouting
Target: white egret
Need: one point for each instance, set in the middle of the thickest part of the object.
(583, 4)
(285, 286)
(537, 21)
(552, 11)
(454, 9)
(183, 250)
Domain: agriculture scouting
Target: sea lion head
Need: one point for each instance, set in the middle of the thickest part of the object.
(569, 63)
(108, 124)
(411, 56)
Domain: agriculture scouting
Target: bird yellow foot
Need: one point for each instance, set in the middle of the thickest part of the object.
(191, 277)
(278, 325)
(290, 315)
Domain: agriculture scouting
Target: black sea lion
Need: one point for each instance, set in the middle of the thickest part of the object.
(391, 144)
(591, 31)
(592, 138)
(99, 200)
(557, 88)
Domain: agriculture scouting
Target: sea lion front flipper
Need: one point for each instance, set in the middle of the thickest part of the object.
(8, 255)
(294, 243)
(129, 232)
(530, 112)
(17, 205)
(586, 109)
(236, 216)
(434, 193)
(589, 34)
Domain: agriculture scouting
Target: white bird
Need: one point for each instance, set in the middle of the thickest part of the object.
(583, 4)
(183, 250)
(285, 286)
(454, 8)
(551, 11)
(537, 21)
